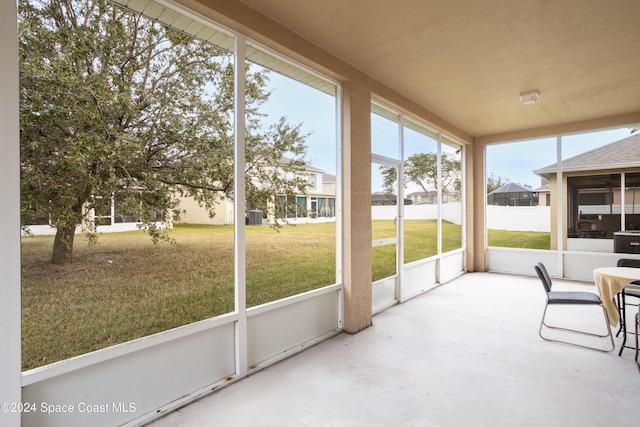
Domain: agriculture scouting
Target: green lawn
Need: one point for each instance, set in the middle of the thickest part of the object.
(125, 287)
(420, 241)
(519, 239)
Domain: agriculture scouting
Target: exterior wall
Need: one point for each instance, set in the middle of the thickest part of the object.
(542, 198)
(192, 213)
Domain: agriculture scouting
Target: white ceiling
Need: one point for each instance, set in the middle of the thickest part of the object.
(467, 61)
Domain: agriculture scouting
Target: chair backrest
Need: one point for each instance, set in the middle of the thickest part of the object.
(543, 275)
(626, 262)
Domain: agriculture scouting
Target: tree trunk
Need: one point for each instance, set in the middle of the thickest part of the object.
(63, 245)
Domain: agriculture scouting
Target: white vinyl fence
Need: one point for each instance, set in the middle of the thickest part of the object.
(516, 218)
(519, 218)
(451, 212)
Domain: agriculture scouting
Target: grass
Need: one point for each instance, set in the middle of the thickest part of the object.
(124, 287)
(420, 241)
(519, 239)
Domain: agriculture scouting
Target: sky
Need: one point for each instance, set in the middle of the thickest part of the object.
(515, 162)
(315, 110)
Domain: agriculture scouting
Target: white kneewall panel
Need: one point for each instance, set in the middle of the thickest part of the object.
(419, 277)
(580, 265)
(520, 261)
(383, 294)
(119, 389)
(452, 265)
(285, 326)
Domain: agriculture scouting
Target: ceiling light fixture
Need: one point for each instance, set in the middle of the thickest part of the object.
(529, 98)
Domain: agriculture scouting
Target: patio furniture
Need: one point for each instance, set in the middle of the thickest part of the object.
(570, 298)
(590, 230)
(621, 299)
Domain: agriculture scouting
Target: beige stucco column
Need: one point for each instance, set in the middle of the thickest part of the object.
(476, 201)
(356, 208)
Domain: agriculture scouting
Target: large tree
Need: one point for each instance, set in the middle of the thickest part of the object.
(116, 106)
(422, 169)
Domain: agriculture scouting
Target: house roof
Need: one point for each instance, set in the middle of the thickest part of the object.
(617, 155)
(511, 187)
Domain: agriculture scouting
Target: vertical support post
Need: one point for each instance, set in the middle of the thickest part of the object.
(464, 202)
(10, 329)
(560, 208)
(439, 205)
(240, 282)
(439, 192)
(356, 186)
(338, 206)
(401, 216)
(623, 201)
(476, 221)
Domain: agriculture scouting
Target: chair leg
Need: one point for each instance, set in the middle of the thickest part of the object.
(637, 337)
(623, 322)
(608, 334)
(621, 309)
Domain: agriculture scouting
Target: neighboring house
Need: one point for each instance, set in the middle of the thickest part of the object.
(380, 198)
(511, 194)
(318, 205)
(110, 219)
(592, 191)
(420, 197)
(544, 193)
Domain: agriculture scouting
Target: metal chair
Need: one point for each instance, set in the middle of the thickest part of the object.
(621, 299)
(570, 298)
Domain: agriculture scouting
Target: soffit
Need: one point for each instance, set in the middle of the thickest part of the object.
(198, 27)
(468, 61)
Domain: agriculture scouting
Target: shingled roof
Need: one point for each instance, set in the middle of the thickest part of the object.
(617, 155)
(511, 187)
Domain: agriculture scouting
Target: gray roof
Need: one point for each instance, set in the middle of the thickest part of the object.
(510, 187)
(617, 155)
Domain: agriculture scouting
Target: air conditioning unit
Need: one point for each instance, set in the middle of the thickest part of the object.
(627, 242)
(255, 217)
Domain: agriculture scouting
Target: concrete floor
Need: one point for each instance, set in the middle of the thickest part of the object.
(464, 354)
